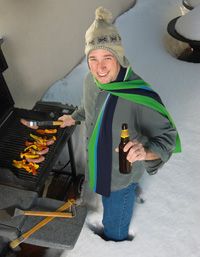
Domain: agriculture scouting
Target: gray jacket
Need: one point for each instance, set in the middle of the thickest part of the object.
(146, 125)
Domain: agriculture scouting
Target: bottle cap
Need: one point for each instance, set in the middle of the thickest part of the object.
(124, 132)
(124, 126)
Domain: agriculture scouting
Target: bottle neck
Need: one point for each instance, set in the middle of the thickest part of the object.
(124, 133)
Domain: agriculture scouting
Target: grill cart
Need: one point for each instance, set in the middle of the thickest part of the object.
(21, 190)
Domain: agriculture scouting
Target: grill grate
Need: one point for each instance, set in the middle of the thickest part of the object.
(12, 141)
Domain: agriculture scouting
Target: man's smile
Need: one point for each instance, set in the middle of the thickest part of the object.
(102, 74)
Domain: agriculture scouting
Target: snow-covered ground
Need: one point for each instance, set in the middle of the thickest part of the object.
(167, 224)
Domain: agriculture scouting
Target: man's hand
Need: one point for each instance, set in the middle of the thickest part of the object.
(67, 121)
(137, 152)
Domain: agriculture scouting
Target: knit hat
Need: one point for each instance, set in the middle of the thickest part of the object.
(102, 34)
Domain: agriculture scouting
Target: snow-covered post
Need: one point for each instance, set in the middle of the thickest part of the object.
(190, 4)
(186, 28)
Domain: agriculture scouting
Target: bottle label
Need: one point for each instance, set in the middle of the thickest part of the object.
(124, 133)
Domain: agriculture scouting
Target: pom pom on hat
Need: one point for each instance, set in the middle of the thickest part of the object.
(102, 34)
(103, 14)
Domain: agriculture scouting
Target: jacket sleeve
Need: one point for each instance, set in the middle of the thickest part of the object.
(160, 137)
(79, 114)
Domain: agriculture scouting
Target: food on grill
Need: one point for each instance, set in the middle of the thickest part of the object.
(30, 145)
(44, 140)
(34, 151)
(27, 124)
(46, 131)
(29, 155)
(44, 151)
(40, 159)
(50, 142)
(35, 145)
(29, 167)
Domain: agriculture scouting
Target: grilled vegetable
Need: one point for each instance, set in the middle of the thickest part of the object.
(46, 131)
(41, 152)
(37, 149)
(35, 145)
(44, 140)
(34, 151)
(29, 167)
(29, 155)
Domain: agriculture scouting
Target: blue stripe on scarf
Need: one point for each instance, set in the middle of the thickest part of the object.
(146, 88)
(145, 91)
(104, 148)
(96, 159)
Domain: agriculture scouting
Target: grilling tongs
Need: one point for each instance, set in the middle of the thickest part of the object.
(45, 123)
(35, 124)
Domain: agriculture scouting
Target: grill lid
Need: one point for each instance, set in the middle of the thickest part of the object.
(3, 63)
(6, 100)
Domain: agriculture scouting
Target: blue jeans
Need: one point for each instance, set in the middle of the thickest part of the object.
(118, 210)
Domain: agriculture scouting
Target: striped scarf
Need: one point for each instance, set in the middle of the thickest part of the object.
(100, 143)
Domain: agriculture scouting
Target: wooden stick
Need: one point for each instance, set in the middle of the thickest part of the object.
(54, 214)
(57, 122)
(24, 236)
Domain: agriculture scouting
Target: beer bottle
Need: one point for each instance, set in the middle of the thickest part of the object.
(124, 164)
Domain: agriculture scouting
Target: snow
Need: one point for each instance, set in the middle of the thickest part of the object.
(193, 3)
(167, 224)
(188, 25)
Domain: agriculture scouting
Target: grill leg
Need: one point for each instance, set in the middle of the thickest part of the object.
(77, 181)
(65, 180)
(72, 160)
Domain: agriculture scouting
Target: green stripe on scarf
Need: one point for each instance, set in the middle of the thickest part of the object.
(122, 85)
(91, 157)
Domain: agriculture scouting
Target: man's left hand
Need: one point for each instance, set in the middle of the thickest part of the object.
(136, 151)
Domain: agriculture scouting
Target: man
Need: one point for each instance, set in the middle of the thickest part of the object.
(114, 94)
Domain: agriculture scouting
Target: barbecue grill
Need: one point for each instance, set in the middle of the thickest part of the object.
(16, 184)
(13, 136)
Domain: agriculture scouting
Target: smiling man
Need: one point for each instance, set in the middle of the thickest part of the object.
(103, 65)
(113, 95)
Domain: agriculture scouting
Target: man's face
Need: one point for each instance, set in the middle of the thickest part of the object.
(103, 65)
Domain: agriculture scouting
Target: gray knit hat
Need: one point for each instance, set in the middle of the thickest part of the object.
(104, 35)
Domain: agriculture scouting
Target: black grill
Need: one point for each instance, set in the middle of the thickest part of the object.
(13, 136)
